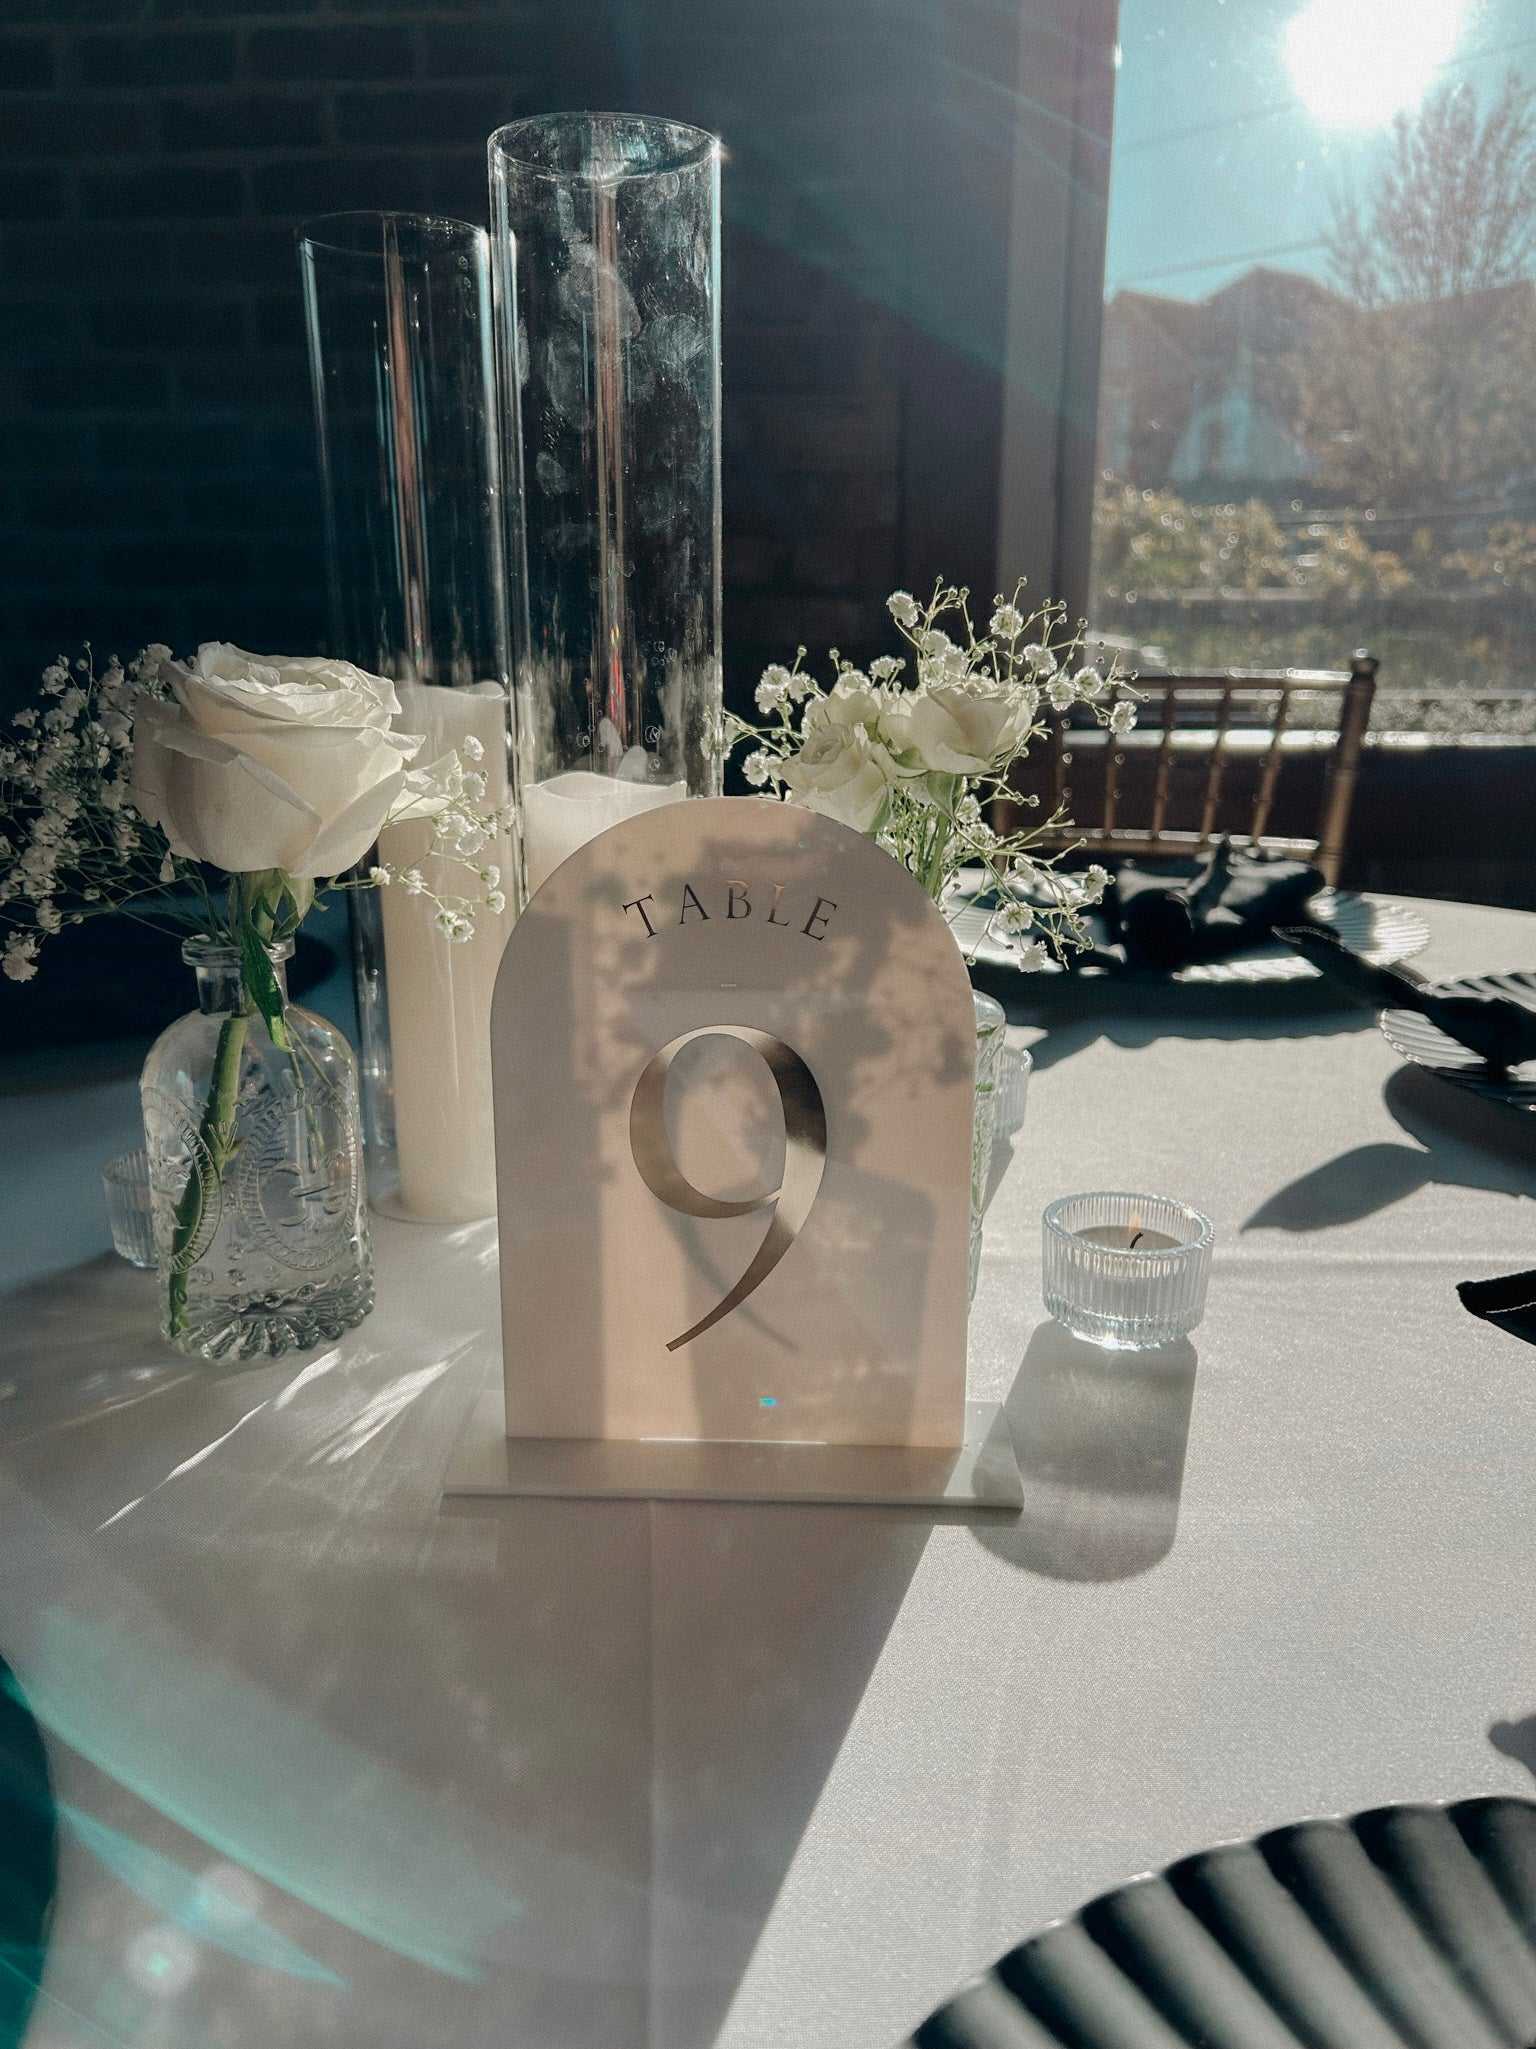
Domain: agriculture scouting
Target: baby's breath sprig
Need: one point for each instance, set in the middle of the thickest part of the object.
(73, 845)
(917, 749)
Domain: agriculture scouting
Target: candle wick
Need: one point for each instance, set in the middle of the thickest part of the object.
(1135, 1241)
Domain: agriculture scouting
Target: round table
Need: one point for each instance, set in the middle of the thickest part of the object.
(336, 1767)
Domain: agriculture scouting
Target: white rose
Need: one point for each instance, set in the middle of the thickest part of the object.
(959, 728)
(274, 761)
(843, 772)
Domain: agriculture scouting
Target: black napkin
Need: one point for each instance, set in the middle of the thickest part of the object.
(1510, 1303)
(1498, 1029)
(1222, 903)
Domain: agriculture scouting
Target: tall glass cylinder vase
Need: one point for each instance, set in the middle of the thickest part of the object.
(426, 588)
(607, 260)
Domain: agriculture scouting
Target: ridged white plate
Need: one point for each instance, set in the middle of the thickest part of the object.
(1416, 1039)
(1402, 1928)
(1382, 932)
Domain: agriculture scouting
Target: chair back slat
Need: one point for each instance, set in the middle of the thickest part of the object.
(1114, 761)
(1264, 803)
(1216, 767)
(1164, 762)
(1354, 717)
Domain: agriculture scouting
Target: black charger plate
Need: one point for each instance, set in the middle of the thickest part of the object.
(1414, 1038)
(1401, 1928)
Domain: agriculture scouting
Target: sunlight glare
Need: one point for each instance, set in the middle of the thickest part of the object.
(1355, 63)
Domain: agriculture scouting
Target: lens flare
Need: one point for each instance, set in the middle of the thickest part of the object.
(1356, 63)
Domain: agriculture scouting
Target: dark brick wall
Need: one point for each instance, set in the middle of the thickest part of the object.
(156, 462)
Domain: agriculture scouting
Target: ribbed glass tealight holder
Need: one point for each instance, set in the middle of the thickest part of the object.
(1128, 1272)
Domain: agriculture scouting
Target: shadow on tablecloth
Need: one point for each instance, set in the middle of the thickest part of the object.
(1075, 1011)
(1516, 1740)
(1461, 1142)
(1101, 1438)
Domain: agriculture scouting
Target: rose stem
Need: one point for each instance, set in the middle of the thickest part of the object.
(216, 1135)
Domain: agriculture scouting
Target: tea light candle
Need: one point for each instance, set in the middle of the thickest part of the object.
(1128, 1272)
(1128, 1237)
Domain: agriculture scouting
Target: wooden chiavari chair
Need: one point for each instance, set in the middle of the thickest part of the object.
(1211, 721)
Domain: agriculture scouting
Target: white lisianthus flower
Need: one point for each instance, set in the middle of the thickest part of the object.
(958, 728)
(902, 607)
(842, 771)
(1038, 659)
(270, 761)
(1122, 716)
(1007, 622)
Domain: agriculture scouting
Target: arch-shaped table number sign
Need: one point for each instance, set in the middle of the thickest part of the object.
(733, 1050)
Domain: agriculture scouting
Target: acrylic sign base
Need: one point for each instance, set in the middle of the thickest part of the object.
(981, 1474)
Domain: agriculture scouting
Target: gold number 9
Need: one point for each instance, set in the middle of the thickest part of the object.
(805, 1156)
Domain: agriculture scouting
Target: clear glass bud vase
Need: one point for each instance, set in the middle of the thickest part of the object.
(256, 1172)
(606, 251)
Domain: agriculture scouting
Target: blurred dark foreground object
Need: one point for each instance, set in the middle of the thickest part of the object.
(111, 979)
(1510, 1303)
(28, 1859)
(1496, 1028)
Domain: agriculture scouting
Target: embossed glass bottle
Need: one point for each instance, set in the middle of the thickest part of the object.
(256, 1172)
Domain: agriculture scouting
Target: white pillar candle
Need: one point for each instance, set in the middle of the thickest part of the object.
(565, 812)
(439, 991)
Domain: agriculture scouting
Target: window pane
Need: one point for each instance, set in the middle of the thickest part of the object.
(1317, 417)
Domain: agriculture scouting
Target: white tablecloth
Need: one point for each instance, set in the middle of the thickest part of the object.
(336, 1768)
